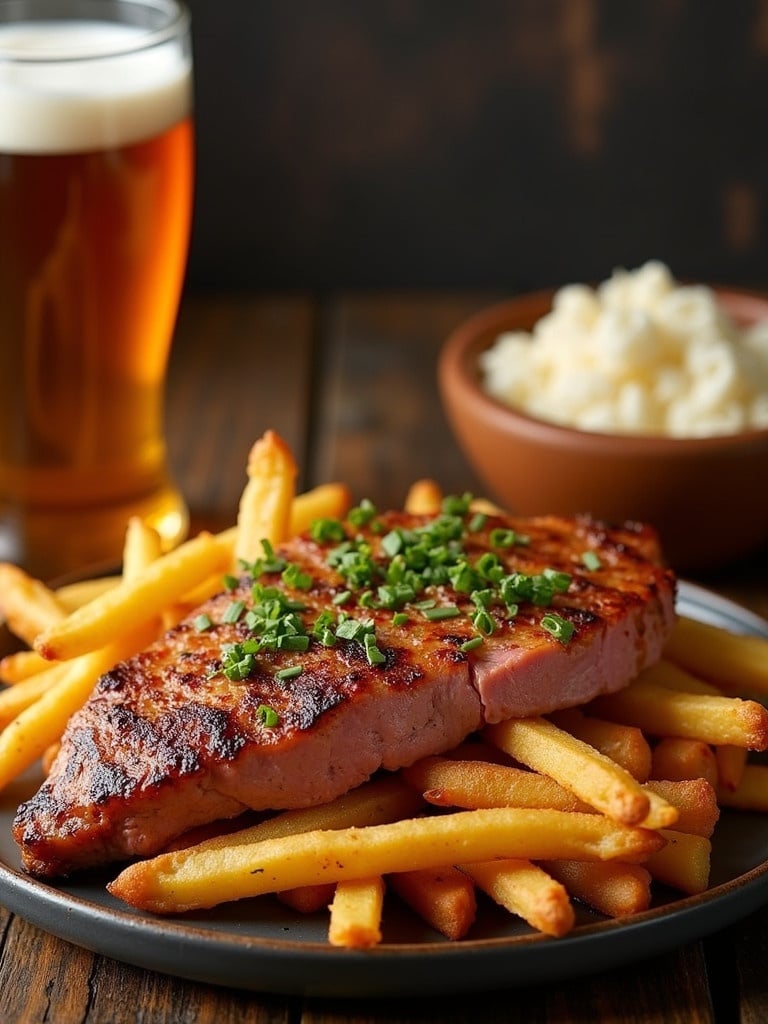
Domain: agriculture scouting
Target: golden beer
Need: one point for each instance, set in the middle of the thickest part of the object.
(96, 161)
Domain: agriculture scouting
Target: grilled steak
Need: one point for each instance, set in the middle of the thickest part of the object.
(343, 653)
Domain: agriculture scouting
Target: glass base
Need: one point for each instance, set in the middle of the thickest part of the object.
(50, 542)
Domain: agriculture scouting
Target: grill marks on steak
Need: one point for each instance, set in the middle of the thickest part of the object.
(166, 742)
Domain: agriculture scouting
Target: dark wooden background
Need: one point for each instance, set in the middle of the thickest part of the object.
(496, 144)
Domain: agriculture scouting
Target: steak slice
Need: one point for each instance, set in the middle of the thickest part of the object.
(359, 647)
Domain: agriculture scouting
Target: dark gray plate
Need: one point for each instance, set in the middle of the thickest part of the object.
(258, 944)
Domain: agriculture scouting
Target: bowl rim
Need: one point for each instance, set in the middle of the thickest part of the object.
(458, 374)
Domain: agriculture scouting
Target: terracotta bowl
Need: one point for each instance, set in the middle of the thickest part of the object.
(706, 496)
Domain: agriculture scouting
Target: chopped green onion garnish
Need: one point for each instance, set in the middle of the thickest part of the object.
(292, 576)
(471, 645)
(591, 560)
(325, 531)
(503, 538)
(560, 628)
(362, 514)
(483, 622)
(236, 663)
(233, 612)
(399, 619)
(372, 652)
(203, 622)
(289, 673)
(444, 611)
(269, 717)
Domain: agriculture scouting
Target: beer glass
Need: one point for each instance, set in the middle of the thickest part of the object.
(96, 154)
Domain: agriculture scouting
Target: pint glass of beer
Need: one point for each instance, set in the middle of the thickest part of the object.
(96, 155)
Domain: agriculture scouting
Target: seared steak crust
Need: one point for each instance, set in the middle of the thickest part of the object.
(168, 742)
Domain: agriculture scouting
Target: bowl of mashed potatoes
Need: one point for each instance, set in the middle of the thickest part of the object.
(641, 398)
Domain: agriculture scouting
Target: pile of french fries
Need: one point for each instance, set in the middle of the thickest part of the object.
(592, 804)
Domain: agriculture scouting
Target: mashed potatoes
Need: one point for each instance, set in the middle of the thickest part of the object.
(640, 354)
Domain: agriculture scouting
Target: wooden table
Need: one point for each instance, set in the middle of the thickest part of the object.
(349, 382)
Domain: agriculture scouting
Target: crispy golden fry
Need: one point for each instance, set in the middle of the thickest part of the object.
(326, 501)
(141, 547)
(265, 504)
(677, 758)
(485, 505)
(21, 665)
(616, 890)
(26, 604)
(527, 890)
(196, 878)
(660, 711)
(424, 498)
(624, 744)
(356, 913)
(49, 756)
(443, 897)
(473, 784)
(72, 596)
(307, 899)
(732, 661)
(18, 698)
(751, 794)
(674, 677)
(135, 601)
(578, 767)
(26, 738)
(695, 800)
(683, 863)
(373, 803)
(730, 766)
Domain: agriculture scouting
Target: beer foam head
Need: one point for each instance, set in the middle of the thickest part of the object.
(72, 87)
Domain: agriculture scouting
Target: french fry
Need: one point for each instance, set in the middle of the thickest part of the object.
(695, 800)
(751, 794)
(189, 879)
(732, 661)
(26, 604)
(307, 899)
(49, 756)
(264, 513)
(443, 897)
(730, 766)
(683, 862)
(26, 738)
(473, 784)
(624, 744)
(141, 547)
(424, 497)
(677, 758)
(527, 890)
(136, 601)
(578, 767)
(373, 803)
(72, 596)
(660, 711)
(616, 890)
(486, 506)
(22, 695)
(674, 677)
(21, 665)
(356, 913)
